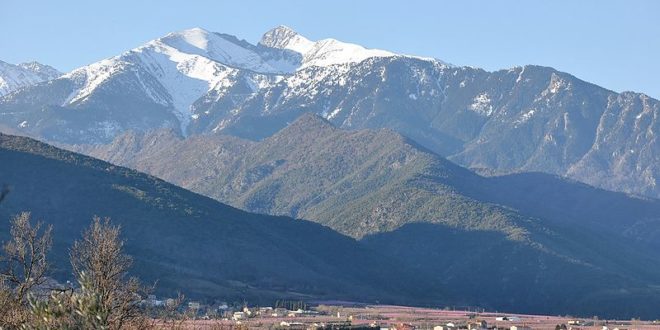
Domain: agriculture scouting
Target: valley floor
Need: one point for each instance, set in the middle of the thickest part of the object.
(399, 317)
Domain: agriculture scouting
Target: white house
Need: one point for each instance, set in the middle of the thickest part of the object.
(238, 316)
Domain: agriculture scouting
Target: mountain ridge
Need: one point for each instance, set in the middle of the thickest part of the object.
(527, 118)
(381, 188)
(313, 142)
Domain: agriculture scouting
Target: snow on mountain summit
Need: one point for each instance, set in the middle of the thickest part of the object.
(177, 69)
(43, 71)
(191, 62)
(216, 47)
(13, 77)
(283, 37)
(180, 68)
(319, 53)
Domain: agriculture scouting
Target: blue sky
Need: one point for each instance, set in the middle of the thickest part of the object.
(615, 44)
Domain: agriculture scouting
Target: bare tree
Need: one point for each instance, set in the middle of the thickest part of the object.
(99, 260)
(24, 264)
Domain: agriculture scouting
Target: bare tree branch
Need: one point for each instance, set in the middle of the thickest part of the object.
(99, 258)
(24, 264)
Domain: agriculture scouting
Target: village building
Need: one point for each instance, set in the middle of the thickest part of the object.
(520, 327)
(238, 316)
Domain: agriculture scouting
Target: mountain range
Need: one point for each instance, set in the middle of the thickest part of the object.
(517, 236)
(528, 118)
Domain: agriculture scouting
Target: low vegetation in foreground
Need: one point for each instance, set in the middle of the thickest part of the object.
(104, 297)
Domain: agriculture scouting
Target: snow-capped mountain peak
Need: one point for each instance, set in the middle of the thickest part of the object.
(319, 53)
(45, 72)
(217, 47)
(283, 37)
(186, 64)
(196, 37)
(175, 72)
(13, 77)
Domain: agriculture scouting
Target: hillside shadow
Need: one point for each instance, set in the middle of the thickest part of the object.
(480, 268)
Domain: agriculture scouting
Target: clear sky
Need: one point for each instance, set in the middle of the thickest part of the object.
(615, 44)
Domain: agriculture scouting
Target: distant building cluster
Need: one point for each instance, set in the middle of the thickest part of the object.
(298, 316)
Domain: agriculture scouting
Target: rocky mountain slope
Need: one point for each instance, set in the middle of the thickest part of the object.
(189, 243)
(527, 118)
(528, 237)
(523, 119)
